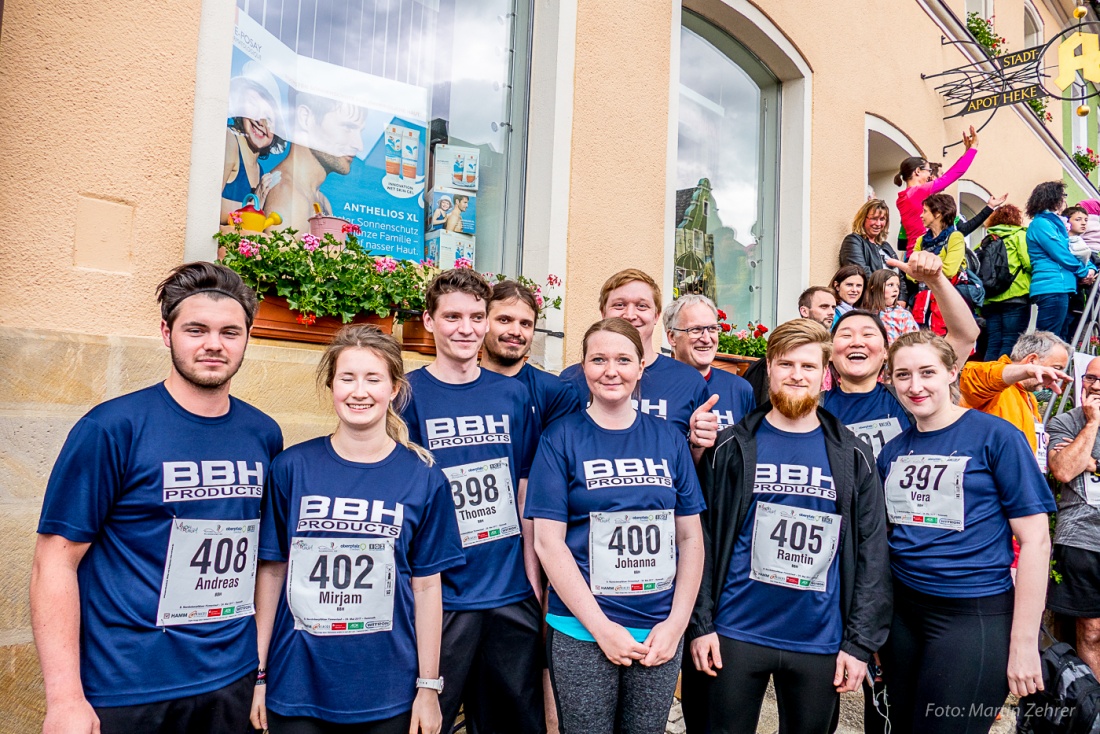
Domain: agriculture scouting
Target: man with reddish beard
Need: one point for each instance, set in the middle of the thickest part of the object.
(796, 584)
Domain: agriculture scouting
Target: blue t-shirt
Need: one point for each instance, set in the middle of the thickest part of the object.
(553, 398)
(138, 472)
(581, 469)
(792, 476)
(1001, 481)
(875, 416)
(735, 396)
(483, 435)
(313, 493)
(670, 390)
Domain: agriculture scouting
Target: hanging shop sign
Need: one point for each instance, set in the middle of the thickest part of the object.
(1035, 73)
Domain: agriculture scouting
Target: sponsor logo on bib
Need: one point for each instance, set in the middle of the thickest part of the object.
(467, 430)
(185, 481)
(349, 515)
(600, 473)
(808, 481)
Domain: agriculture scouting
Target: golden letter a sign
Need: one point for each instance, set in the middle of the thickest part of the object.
(1087, 62)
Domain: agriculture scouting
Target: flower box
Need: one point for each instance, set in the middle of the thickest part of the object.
(275, 320)
(733, 363)
(416, 338)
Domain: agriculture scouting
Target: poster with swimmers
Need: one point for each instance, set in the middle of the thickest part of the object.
(304, 135)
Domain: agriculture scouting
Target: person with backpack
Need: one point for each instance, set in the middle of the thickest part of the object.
(1054, 269)
(1004, 268)
(944, 240)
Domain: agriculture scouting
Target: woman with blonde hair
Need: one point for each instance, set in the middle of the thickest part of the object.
(959, 485)
(616, 503)
(867, 245)
(356, 529)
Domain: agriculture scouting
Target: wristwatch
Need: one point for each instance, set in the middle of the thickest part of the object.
(435, 684)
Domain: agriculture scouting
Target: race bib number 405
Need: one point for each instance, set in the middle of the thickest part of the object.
(484, 501)
(877, 433)
(341, 586)
(209, 572)
(927, 491)
(793, 547)
(631, 553)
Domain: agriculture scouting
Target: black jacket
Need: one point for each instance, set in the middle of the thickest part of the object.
(871, 256)
(727, 472)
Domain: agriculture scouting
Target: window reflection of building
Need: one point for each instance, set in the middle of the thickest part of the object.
(727, 158)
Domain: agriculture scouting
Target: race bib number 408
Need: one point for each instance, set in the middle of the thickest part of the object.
(209, 572)
(631, 553)
(341, 586)
(927, 491)
(484, 501)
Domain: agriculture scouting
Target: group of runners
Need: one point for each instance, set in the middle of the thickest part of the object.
(477, 524)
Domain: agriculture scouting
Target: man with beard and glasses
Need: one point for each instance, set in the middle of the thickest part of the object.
(145, 565)
(328, 135)
(513, 311)
(796, 584)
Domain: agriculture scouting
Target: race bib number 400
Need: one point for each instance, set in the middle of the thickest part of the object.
(927, 491)
(793, 547)
(209, 572)
(877, 433)
(341, 586)
(631, 553)
(484, 501)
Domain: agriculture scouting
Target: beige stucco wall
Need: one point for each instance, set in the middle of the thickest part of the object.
(96, 110)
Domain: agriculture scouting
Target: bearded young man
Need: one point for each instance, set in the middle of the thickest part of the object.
(796, 584)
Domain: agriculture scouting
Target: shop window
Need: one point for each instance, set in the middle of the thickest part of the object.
(405, 117)
(1033, 27)
(728, 128)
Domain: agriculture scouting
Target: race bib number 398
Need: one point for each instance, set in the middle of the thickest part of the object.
(341, 586)
(927, 491)
(209, 572)
(631, 552)
(484, 501)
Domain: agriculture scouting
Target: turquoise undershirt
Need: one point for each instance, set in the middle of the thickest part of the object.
(572, 627)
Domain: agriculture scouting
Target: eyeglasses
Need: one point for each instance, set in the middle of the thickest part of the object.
(1089, 380)
(697, 331)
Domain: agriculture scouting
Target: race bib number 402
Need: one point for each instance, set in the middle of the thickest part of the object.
(927, 491)
(484, 501)
(631, 553)
(341, 586)
(209, 572)
(793, 547)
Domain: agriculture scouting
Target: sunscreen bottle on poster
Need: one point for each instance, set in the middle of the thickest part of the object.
(456, 175)
(471, 172)
(393, 150)
(410, 154)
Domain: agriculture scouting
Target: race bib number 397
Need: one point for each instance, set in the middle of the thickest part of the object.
(209, 572)
(484, 501)
(341, 586)
(927, 491)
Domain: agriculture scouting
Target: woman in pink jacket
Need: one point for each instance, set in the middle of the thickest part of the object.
(919, 185)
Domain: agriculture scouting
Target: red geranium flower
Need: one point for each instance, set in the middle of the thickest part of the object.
(721, 315)
(726, 327)
(762, 329)
(307, 319)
